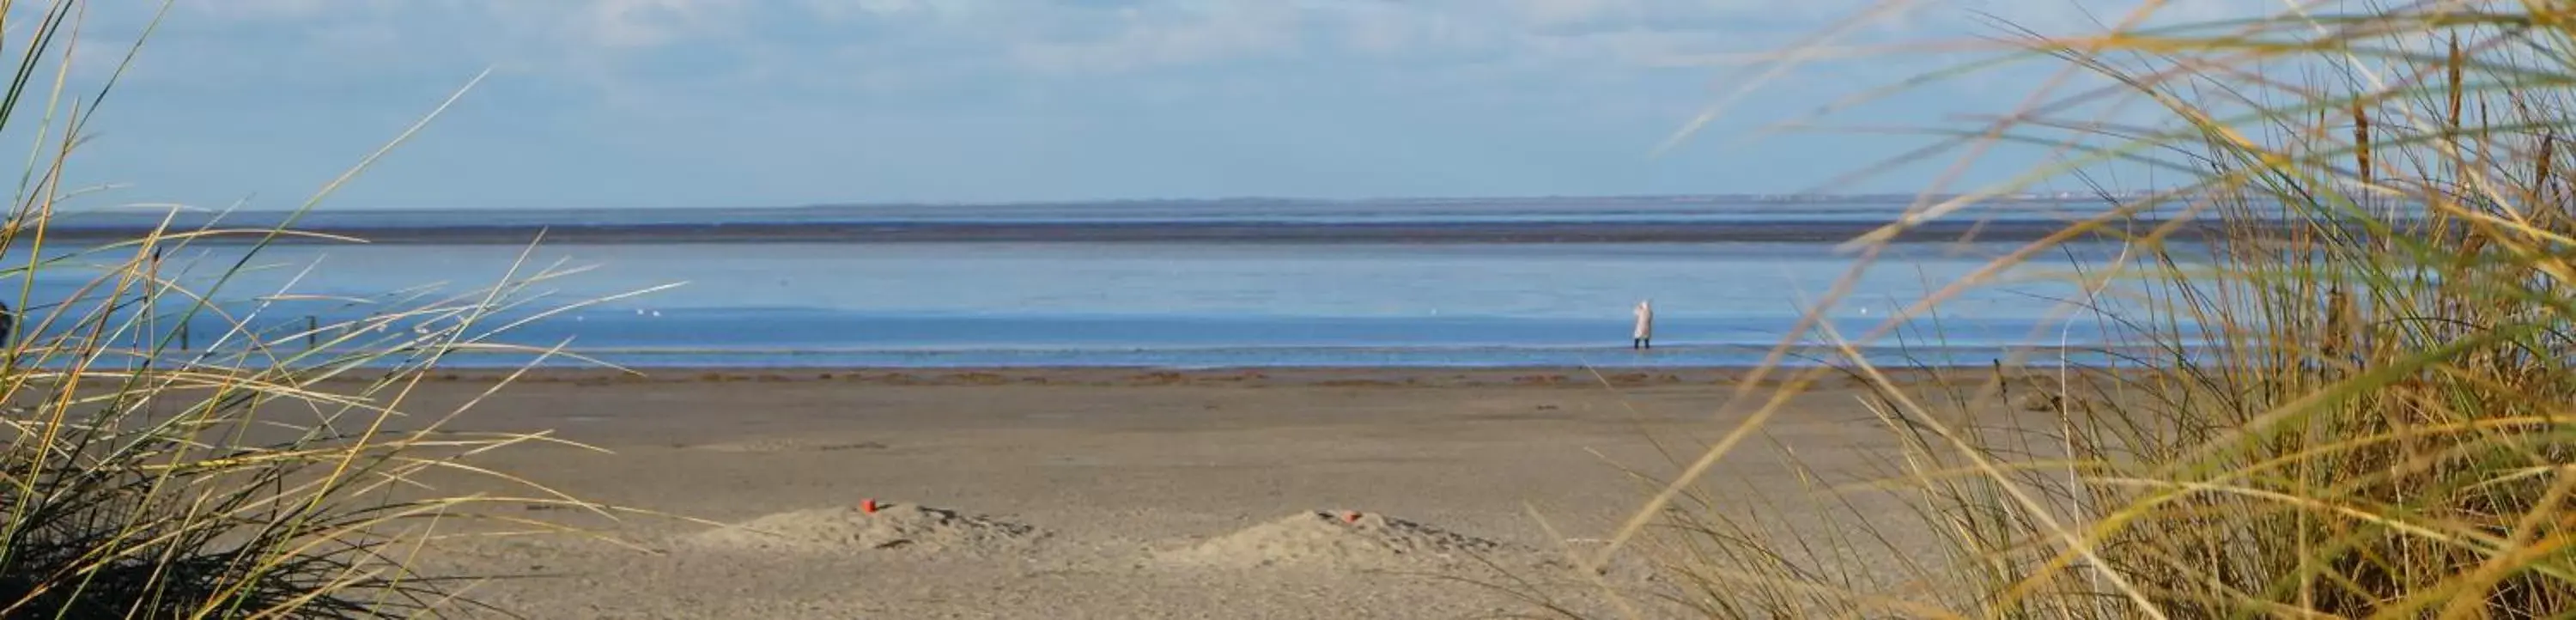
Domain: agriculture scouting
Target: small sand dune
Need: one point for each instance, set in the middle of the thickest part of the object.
(891, 526)
(1347, 540)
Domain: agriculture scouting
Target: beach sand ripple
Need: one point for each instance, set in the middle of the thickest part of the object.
(891, 526)
(1346, 540)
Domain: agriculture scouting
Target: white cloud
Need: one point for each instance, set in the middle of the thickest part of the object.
(1160, 35)
(642, 23)
(1054, 37)
(886, 46)
(265, 9)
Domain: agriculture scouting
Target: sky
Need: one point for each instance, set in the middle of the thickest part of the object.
(715, 103)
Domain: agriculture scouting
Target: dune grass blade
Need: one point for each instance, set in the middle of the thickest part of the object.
(265, 474)
(2355, 400)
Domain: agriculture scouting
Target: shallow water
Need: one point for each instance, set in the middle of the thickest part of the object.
(1153, 305)
(1072, 302)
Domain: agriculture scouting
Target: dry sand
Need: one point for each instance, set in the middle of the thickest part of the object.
(1102, 493)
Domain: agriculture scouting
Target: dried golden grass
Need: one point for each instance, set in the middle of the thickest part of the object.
(2360, 401)
(252, 477)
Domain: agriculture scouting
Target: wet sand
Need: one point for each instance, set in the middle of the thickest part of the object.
(1103, 493)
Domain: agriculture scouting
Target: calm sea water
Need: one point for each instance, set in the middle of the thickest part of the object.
(1149, 304)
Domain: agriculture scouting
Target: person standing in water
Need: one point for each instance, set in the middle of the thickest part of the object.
(1644, 336)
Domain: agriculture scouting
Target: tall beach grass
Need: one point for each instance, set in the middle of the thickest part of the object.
(2360, 402)
(247, 475)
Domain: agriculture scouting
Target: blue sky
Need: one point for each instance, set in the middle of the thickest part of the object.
(664, 103)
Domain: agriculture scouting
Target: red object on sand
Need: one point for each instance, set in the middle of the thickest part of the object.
(1351, 517)
(868, 505)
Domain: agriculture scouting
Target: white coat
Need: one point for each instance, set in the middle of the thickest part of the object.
(1645, 321)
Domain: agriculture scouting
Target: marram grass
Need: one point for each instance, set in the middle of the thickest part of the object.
(2362, 402)
(250, 476)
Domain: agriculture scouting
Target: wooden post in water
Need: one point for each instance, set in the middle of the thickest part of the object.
(312, 332)
(183, 336)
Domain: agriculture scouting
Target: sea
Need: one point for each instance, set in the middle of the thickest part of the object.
(1282, 288)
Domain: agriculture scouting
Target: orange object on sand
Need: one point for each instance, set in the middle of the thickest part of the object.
(1351, 517)
(868, 505)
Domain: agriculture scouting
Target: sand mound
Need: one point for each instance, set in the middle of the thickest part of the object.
(892, 526)
(1335, 539)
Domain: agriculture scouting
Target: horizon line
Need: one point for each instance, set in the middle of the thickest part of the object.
(1782, 198)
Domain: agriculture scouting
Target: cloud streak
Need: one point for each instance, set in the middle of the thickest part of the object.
(783, 101)
(1104, 37)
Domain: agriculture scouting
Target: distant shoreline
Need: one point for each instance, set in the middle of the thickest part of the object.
(1247, 376)
(1816, 231)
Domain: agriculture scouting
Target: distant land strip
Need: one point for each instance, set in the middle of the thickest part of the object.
(1177, 232)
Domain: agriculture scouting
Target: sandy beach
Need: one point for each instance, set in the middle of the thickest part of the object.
(1098, 493)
